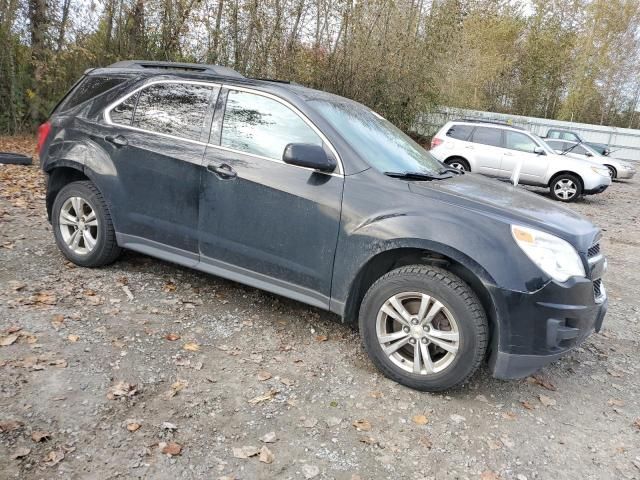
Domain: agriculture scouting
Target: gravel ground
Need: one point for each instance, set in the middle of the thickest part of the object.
(146, 369)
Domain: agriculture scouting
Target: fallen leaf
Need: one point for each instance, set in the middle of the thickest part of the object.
(176, 387)
(509, 416)
(266, 456)
(8, 340)
(73, 338)
(264, 397)
(39, 436)
(10, 425)
(54, 457)
(543, 382)
(547, 401)
(614, 402)
(614, 373)
(489, 475)
(636, 423)
(526, 404)
(426, 442)
(133, 426)
(269, 437)
(16, 285)
(245, 452)
(191, 347)
(287, 381)
(375, 394)
(367, 439)
(170, 448)
(263, 375)
(121, 389)
(57, 322)
(420, 420)
(172, 337)
(13, 329)
(321, 338)
(363, 425)
(45, 298)
(169, 287)
(20, 452)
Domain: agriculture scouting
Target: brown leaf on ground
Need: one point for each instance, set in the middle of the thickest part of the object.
(54, 457)
(526, 404)
(8, 340)
(172, 337)
(170, 448)
(321, 338)
(45, 298)
(121, 389)
(13, 329)
(509, 416)
(547, 401)
(20, 452)
(543, 382)
(367, 439)
(636, 423)
(39, 436)
(614, 402)
(376, 394)
(264, 397)
(489, 475)
(614, 373)
(363, 425)
(176, 387)
(420, 420)
(169, 287)
(191, 347)
(263, 375)
(266, 456)
(10, 425)
(57, 322)
(133, 426)
(245, 452)
(73, 338)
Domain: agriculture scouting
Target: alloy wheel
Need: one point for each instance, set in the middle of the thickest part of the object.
(418, 333)
(78, 225)
(565, 189)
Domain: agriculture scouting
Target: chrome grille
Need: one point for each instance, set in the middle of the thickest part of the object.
(593, 251)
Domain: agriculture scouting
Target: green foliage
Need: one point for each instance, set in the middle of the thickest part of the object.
(570, 59)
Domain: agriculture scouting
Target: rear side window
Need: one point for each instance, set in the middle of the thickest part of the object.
(122, 114)
(460, 132)
(262, 126)
(487, 136)
(519, 141)
(88, 88)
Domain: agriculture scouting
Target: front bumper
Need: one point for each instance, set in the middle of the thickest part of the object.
(539, 327)
(593, 191)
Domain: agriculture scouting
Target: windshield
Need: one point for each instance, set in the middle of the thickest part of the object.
(376, 140)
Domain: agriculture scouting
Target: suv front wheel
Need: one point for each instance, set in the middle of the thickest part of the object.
(423, 327)
(82, 225)
(566, 188)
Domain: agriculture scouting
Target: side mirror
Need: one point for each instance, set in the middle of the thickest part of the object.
(589, 154)
(309, 156)
(539, 151)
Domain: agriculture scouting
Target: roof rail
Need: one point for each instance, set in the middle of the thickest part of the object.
(185, 67)
(493, 122)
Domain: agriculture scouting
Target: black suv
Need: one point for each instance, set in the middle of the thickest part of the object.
(317, 198)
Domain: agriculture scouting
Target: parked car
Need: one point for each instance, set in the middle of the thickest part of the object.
(617, 168)
(317, 198)
(496, 149)
(570, 136)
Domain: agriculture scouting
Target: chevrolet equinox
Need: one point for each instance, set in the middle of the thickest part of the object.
(318, 198)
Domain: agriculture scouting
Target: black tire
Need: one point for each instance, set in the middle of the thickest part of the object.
(565, 177)
(106, 249)
(613, 173)
(458, 161)
(15, 159)
(456, 296)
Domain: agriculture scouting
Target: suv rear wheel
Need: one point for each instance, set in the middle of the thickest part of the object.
(423, 327)
(566, 188)
(82, 225)
(458, 163)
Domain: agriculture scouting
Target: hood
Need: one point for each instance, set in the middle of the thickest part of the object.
(514, 205)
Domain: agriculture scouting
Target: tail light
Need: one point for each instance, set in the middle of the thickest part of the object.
(435, 141)
(43, 133)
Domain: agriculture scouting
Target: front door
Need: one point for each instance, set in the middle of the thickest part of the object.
(153, 137)
(486, 148)
(264, 222)
(520, 148)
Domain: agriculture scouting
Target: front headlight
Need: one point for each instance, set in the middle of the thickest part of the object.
(604, 171)
(554, 256)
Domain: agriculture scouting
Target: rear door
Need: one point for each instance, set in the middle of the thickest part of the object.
(155, 139)
(486, 149)
(264, 222)
(520, 148)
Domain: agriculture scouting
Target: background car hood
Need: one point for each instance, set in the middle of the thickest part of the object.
(514, 205)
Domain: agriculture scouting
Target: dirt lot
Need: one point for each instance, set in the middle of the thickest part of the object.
(145, 369)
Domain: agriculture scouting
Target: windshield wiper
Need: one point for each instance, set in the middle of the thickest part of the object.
(564, 152)
(414, 175)
(452, 170)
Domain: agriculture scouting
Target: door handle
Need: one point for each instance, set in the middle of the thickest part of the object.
(223, 170)
(508, 154)
(117, 140)
(470, 147)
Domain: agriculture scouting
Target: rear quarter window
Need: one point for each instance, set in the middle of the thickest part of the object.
(460, 132)
(88, 88)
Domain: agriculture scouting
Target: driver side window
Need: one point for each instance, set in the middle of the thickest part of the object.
(520, 142)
